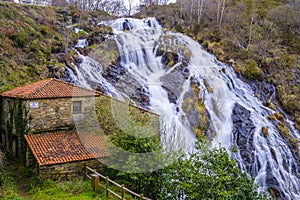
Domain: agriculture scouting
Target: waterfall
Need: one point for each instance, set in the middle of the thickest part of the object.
(236, 115)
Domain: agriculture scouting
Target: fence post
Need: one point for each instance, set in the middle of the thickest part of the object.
(141, 196)
(106, 185)
(122, 191)
(86, 171)
(95, 182)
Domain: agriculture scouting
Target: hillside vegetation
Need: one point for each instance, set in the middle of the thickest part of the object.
(35, 41)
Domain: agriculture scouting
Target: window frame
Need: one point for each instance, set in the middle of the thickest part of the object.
(76, 107)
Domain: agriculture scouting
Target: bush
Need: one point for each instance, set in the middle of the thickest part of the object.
(252, 71)
(207, 174)
(178, 28)
(19, 39)
(44, 30)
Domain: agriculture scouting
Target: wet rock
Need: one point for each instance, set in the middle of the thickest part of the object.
(263, 90)
(82, 51)
(171, 95)
(169, 59)
(186, 73)
(274, 184)
(124, 82)
(56, 71)
(71, 66)
(77, 60)
(243, 129)
(126, 26)
(142, 97)
(193, 118)
(113, 73)
(172, 83)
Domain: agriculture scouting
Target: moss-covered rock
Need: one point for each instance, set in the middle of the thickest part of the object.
(264, 131)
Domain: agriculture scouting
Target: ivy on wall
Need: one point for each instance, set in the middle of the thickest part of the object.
(17, 127)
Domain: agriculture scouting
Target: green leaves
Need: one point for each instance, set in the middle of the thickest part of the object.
(207, 174)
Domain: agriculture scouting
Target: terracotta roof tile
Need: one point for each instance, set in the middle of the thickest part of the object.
(48, 88)
(63, 147)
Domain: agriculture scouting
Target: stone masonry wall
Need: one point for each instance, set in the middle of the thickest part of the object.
(69, 171)
(53, 114)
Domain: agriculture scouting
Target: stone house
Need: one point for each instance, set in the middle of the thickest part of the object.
(35, 120)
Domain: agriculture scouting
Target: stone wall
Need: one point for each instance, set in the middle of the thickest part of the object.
(53, 114)
(69, 171)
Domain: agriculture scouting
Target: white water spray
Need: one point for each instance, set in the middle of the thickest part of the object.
(268, 158)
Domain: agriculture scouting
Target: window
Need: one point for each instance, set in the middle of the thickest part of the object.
(77, 107)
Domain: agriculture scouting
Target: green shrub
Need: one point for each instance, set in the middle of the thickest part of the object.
(81, 33)
(19, 39)
(34, 46)
(252, 71)
(44, 30)
(178, 28)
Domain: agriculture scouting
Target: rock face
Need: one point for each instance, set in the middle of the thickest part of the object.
(105, 52)
(243, 130)
(172, 83)
(264, 90)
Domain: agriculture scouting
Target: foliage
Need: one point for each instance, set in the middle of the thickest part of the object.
(252, 71)
(8, 189)
(137, 140)
(207, 174)
(19, 39)
(17, 127)
(81, 33)
(178, 28)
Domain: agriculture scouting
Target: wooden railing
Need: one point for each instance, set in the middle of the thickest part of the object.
(96, 177)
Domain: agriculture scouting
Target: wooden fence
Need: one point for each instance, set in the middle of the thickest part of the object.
(96, 177)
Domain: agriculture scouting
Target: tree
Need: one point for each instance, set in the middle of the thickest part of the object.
(199, 10)
(207, 174)
(134, 139)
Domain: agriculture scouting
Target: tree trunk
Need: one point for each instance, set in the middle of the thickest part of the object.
(218, 11)
(222, 12)
(191, 11)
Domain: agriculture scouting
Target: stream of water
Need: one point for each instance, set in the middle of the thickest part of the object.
(236, 115)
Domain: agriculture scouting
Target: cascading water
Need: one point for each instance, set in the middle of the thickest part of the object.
(236, 115)
(138, 56)
(88, 73)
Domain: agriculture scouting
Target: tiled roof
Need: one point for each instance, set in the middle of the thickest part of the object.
(64, 147)
(48, 88)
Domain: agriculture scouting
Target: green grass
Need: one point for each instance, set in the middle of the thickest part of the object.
(78, 189)
(8, 189)
(65, 190)
(51, 190)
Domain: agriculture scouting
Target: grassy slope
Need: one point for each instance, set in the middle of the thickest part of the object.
(32, 190)
(34, 39)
